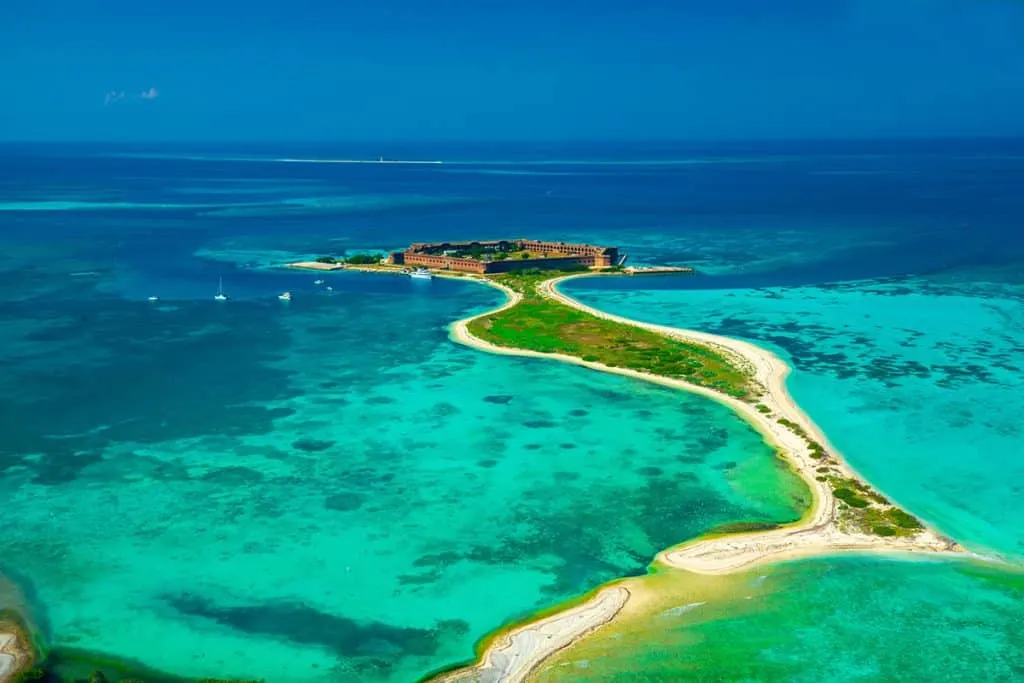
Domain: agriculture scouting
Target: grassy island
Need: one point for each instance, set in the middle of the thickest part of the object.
(539, 323)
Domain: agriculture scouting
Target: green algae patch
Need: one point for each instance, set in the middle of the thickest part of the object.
(656, 622)
(540, 324)
(778, 624)
(741, 528)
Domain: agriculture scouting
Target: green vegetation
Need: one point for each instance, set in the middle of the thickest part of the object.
(816, 449)
(540, 324)
(363, 259)
(741, 527)
(869, 512)
(850, 498)
(478, 251)
(903, 519)
(763, 409)
(325, 259)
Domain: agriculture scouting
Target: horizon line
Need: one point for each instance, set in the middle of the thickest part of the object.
(530, 141)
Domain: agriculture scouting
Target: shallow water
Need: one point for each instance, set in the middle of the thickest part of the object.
(916, 381)
(837, 619)
(331, 487)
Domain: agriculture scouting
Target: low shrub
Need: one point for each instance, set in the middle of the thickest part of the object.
(850, 498)
(903, 519)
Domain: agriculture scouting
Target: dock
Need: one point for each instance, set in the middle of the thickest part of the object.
(658, 270)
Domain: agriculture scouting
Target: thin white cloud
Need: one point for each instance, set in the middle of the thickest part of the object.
(115, 96)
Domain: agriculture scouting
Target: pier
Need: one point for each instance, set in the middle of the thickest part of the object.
(658, 270)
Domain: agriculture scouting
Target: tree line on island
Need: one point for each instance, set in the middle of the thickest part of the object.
(354, 260)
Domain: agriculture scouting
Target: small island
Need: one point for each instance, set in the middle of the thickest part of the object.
(490, 257)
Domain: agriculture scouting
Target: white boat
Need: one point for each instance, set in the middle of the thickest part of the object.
(220, 295)
(318, 282)
(153, 298)
(421, 274)
(287, 296)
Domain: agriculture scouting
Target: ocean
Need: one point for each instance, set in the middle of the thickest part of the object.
(329, 489)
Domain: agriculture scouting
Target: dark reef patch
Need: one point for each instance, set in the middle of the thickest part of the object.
(344, 502)
(312, 445)
(500, 399)
(233, 476)
(300, 623)
(60, 467)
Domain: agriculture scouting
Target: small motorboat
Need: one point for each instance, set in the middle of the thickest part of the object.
(287, 296)
(153, 298)
(318, 282)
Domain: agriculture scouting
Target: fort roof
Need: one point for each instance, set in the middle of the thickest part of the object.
(518, 243)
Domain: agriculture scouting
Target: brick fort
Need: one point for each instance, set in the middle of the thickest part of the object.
(502, 256)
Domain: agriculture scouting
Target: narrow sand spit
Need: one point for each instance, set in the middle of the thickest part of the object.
(515, 654)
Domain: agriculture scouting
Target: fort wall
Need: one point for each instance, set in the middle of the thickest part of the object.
(562, 255)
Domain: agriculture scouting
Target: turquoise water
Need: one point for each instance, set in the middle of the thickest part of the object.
(331, 489)
(852, 619)
(916, 381)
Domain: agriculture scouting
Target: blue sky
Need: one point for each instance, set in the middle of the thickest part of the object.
(511, 69)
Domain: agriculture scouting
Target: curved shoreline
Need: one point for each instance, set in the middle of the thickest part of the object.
(515, 654)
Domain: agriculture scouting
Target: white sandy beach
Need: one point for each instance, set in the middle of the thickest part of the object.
(515, 654)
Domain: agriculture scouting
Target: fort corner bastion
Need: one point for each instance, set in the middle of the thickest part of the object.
(502, 256)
